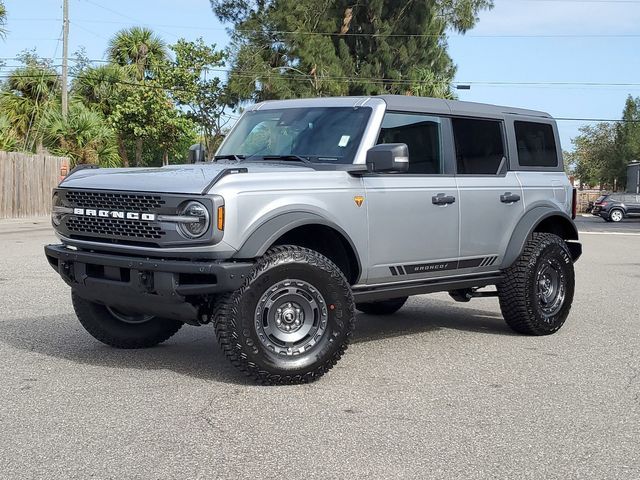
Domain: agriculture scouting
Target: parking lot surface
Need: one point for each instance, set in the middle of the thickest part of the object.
(438, 390)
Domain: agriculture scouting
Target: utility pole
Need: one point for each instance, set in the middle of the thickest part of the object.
(65, 52)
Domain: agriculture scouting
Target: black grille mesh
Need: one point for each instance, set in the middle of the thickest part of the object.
(108, 227)
(115, 201)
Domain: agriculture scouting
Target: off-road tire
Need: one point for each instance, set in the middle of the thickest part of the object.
(104, 327)
(619, 217)
(238, 325)
(383, 307)
(519, 293)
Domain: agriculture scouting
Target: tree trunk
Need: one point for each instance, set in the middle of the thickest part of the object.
(122, 151)
(165, 158)
(138, 152)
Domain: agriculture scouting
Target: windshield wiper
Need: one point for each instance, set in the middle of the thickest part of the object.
(229, 157)
(294, 158)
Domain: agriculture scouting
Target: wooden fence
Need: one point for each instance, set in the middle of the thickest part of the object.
(26, 182)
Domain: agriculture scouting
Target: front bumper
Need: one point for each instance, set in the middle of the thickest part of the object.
(167, 288)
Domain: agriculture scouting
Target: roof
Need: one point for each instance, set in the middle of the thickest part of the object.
(407, 103)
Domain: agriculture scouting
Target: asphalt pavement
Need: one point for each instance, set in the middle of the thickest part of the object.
(439, 390)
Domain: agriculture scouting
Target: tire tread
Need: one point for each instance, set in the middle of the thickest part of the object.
(226, 314)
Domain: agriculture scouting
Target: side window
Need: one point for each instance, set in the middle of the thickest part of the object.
(536, 144)
(421, 134)
(479, 146)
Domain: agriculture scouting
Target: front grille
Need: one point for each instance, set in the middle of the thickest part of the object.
(107, 227)
(115, 201)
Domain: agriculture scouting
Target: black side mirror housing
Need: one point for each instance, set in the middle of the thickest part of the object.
(388, 157)
(197, 153)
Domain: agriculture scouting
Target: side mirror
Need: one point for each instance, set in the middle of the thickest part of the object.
(388, 157)
(197, 153)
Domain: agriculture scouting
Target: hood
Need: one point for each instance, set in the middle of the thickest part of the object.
(193, 179)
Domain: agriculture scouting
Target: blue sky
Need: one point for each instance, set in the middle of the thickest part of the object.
(573, 41)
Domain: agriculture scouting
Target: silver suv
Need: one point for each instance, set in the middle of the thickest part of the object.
(313, 209)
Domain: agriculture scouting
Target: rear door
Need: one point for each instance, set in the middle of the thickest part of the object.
(490, 196)
(536, 156)
(413, 216)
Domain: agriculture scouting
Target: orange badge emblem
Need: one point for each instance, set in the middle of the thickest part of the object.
(358, 199)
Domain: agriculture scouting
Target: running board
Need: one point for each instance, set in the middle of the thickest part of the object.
(373, 293)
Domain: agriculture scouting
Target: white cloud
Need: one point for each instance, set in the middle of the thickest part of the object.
(558, 17)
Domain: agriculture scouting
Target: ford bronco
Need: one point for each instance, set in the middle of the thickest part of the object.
(314, 209)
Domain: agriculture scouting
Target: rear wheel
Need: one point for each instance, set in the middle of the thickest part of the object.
(616, 215)
(121, 329)
(292, 319)
(537, 290)
(384, 307)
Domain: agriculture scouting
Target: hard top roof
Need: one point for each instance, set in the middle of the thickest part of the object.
(407, 103)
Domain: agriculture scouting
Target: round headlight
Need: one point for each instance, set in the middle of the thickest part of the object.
(200, 223)
(56, 215)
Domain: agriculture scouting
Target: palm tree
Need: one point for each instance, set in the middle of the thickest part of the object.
(83, 136)
(3, 19)
(28, 94)
(140, 47)
(143, 49)
(8, 137)
(100, 88)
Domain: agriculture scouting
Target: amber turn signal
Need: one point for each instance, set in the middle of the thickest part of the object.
(221, 218)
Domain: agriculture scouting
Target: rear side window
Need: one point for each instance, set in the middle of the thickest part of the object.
(421, 133)
(536, 144)
(479, 146)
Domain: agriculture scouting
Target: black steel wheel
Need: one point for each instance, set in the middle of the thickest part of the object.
(120, 329)
(537, 290)
(292, 319)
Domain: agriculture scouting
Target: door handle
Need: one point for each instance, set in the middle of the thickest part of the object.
(509, 197)
(442, 199)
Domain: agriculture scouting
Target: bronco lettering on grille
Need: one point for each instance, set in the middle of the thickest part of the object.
(94, 212)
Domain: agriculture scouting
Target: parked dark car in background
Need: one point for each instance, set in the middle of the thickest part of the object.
(616, 206)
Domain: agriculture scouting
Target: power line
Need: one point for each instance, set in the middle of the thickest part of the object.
(400, 81)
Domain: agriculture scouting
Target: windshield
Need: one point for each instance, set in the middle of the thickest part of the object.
(318, 134)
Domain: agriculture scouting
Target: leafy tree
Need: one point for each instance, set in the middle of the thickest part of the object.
(595, 152)
(290, 48)
(82, 136)
(628, 131)
(196, 88)
(602, 152)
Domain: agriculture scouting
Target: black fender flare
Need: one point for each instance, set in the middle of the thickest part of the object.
(527, 225)
(268, 232)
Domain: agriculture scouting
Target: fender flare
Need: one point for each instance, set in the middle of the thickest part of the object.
(527, 225)
(268, 232)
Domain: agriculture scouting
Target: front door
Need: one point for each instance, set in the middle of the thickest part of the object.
(413, 217)
(633, 204)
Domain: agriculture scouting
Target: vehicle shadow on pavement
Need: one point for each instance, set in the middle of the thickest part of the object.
(194, 350)
(436, 315)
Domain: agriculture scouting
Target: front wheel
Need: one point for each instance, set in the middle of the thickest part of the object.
(120, 329)
(537, 290)
(292, 319)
